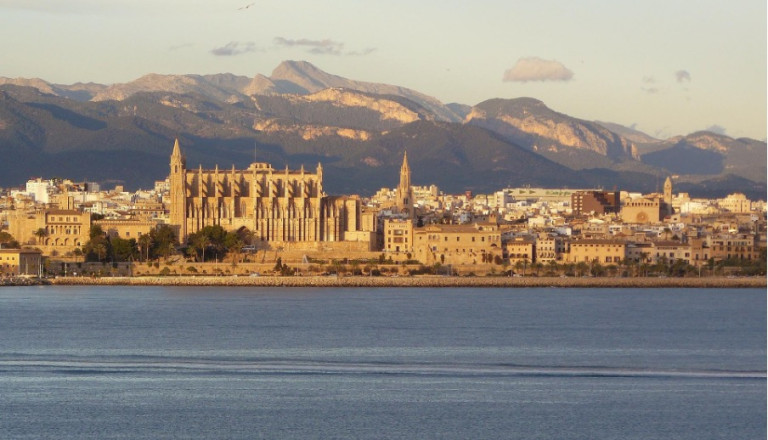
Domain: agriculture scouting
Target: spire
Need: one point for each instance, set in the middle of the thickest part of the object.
(405, 167)
(178, 162)
(404, 192)
(176, 149)
(405, 173)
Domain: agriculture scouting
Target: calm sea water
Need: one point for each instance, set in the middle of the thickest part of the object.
(245, 363)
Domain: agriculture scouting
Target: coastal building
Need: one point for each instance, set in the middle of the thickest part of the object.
(521, 249)
(549, 247)
(276, 206)
(398, 235)
(598, 250)
(458, 244)
(734, 246)
(670, 251)
(20, 262)
(125, 228)
(53, 231)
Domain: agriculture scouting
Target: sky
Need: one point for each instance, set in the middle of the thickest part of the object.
(664, 67)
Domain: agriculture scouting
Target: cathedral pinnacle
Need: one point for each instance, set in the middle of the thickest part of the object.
(405, 167)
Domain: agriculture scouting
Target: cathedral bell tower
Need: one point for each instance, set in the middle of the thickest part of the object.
(668, 195)
(178, 191)
(404, 192)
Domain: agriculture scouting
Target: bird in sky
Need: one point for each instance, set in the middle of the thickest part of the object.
(246, 6)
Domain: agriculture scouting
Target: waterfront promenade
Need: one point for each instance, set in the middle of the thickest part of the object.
(413, 281)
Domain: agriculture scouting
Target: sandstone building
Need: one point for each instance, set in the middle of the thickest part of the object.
(20, 261)
(54, 231)
(276, 206)
(603, 251)
(457, 244)
(643, 210)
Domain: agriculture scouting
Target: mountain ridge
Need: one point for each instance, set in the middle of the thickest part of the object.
(224, 117)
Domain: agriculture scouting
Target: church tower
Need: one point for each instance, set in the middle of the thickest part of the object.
(668, 196)
(178, 191)
(404, 192)
(668, 190)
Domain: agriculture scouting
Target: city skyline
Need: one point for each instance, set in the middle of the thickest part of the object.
(665, 68)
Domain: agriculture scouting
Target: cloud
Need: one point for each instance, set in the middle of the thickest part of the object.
(234, 48)
(718, 129)
(650, 90)
(683, 76)
(649, 80)
(537, 69)
(320, 47)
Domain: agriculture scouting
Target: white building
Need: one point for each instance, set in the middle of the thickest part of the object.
(40, 190)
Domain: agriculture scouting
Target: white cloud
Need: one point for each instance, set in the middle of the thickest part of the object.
(319, 47)
(537, 69)
(234, 48)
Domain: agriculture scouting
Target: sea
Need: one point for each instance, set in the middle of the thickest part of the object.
(383, 363)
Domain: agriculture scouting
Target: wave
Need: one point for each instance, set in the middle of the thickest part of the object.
(72, 365)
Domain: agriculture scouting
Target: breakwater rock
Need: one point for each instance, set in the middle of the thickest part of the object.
(23, 281)
(418, 281)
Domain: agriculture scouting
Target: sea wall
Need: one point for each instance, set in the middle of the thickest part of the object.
(418, 281)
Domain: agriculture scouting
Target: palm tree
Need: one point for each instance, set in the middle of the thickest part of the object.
(145, 242)
(41, 233)
(201, 242)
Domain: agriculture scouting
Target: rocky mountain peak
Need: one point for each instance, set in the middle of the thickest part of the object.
(528, 121)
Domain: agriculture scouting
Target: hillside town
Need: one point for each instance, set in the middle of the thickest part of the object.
(267, 220)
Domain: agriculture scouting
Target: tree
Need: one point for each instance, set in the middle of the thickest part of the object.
(41, 233)
(98, 247)
(124, 250)
(552, 266)
(581, 268)
(145, 243)
(7, 241)
(199, 242)
(163, 241)
(597, 269)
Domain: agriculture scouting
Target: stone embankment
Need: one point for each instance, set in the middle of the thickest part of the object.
(23, 281)
(419, 281)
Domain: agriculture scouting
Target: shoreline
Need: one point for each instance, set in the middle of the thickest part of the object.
(418, 281)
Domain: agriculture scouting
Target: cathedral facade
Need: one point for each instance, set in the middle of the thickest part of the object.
(274, 205)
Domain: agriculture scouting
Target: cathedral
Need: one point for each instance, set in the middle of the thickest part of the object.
(274, 205)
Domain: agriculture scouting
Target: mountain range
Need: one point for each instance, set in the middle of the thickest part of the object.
(123, 133)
